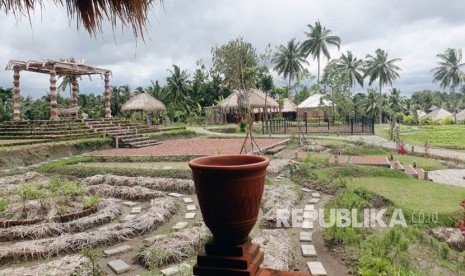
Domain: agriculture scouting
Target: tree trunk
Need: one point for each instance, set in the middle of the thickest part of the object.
(16, 96)
(107, 96)
(318, 79)
(380, 101)
(53, 95)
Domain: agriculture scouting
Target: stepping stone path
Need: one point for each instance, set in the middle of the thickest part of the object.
(175, 270)
(190, 215)
(136, 210)
(305, 237)
(175, 195)
(117, 250)
(188, 200)
(129, 203)
(119, 266)
(191, 207)
(180, 225)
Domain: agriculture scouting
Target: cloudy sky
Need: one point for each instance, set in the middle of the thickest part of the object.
(184, 31)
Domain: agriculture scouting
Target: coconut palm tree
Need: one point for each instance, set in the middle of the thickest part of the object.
(396, 102)
(91, 14)
(448, 72)
(353, 67)
(289, 61)
(379, 68)
(372, 102)
(178, 85)
(318, 39)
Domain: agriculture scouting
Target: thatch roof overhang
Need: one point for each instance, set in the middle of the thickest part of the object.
(66, 68)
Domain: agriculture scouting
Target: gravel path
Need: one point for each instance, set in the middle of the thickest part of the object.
(450, 176)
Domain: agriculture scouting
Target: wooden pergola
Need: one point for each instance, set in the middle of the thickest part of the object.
(66, 67)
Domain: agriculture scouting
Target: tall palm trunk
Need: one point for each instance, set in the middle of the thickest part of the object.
(318, 79)
(380, 103)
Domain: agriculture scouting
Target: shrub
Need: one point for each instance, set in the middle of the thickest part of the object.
(242, 125)
(426, 121)
(448, 121)
(409, 120)
(91, 201)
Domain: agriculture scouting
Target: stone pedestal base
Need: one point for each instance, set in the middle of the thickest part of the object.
(240, 260)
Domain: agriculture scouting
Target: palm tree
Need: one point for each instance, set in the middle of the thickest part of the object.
(353, 67)
(289, 61)
(178, 85)
(448, 72)
(317, 43)
(379, 68)
(396, 102)
(372, 103)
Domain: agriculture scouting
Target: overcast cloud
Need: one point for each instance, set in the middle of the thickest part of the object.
(185, 31)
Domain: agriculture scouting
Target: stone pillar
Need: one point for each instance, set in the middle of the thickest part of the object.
(16, 96)
(75, 88)
(107, 96)
(53, 95)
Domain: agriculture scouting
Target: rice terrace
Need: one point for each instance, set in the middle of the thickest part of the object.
(232, 138)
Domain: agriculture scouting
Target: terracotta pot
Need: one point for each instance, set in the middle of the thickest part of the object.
(229, 189)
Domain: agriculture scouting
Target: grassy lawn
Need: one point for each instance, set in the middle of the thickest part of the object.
(427, 164)
(447, 136)
(22, 141)
(415, 196)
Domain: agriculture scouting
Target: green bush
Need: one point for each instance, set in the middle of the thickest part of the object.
(409, 120)
(448, 121)
(91, 201)
(242, 125)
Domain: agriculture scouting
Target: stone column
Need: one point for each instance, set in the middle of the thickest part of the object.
(75, 88)
(107, 96)
(16, 96)
(53, 94)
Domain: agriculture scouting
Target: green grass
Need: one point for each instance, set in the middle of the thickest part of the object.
(427, 164)
(445, 136)
(415, 196)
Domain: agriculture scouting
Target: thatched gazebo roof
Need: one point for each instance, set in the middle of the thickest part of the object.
(143, 102)
(91, 13)
(289, 106)
(255, 98)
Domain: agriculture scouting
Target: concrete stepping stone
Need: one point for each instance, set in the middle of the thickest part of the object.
(307, 224)
(309, 207)
(316, 194)
(190, 215)
(167, 167)
(175, 270)
(308, 250)
(309, 215)
(175, 194)
(314, 200)
(191, 207)
(154, 238)
(117, 250)
(136, 210)
(306, 190)
(180, 225)
(187, 200)
(119, 266)
(305, 236)
(316, 268)
(129, 203)
(128, 218)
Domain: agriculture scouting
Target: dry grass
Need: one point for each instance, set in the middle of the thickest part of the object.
(63, 266)
(124, 192)
(161, 210)
(21, 178)
(278, 197)
(175, 248)
(108, 211)
(159, 184)
(279, 252)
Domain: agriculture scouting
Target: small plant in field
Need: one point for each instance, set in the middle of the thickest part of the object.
(90, 267)
(91, 201)
(3, 204)
(461, 225)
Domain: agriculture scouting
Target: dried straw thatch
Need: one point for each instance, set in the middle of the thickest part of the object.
(160, 184)
(108, 211)
(278, 249)
(143, 102)
(125, 192)
(91, 13)
(63, 266)
(160, 211)
(278, 197)
(253, 97)
(175, 247)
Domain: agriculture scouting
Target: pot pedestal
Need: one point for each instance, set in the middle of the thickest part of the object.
(229, 260)
(237, 260)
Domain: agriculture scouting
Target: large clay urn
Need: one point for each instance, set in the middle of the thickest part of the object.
(229, 189)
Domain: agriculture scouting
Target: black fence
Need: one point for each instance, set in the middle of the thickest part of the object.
(319, 125)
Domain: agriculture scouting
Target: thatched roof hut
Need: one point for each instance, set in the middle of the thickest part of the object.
(253, 97)
(91, 13)
(143, 102)
(289, 106)
(438, 114)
